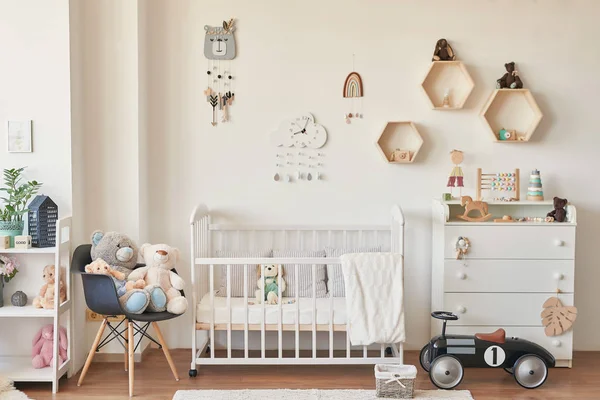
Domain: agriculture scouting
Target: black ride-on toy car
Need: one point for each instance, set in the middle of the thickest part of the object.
(446, 356)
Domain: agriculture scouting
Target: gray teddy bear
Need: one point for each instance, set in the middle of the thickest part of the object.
(121, 253)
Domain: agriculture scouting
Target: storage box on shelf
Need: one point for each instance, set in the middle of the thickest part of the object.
(508, 272)
(19, 367)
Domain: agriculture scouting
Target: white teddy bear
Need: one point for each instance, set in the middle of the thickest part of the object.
(271, 283)
(160, 259)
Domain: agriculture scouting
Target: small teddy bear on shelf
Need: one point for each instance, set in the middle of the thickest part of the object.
(559, 213)
(43, 343)
(46, 296)
(271, 283)
(511, 79)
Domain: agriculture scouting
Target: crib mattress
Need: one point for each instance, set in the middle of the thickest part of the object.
(288, 311)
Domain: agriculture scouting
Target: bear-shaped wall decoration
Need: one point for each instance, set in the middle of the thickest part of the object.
(219, 42)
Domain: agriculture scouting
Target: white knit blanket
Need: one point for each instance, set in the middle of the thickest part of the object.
(311, 394)
(374, 286)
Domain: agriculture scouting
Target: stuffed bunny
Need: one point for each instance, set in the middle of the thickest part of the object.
(46, 296)
(42, 346)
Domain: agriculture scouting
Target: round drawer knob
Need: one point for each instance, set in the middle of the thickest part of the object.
(559, 243)
(462, 243)
(556, 343)
(461, 309)
(559, 276)
(462, 276)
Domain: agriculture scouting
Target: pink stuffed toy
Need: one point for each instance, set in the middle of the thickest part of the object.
(42, 346)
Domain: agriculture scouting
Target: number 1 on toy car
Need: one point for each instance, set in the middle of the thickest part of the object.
(494, 356)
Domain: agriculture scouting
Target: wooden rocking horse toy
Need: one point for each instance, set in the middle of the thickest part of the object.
(469, 204)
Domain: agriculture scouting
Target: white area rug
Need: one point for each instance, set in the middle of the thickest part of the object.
(311, 394)
(8, 392)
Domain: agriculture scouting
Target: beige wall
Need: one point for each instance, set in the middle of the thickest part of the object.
(144, 118)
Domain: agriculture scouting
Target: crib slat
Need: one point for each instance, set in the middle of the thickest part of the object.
(262, 298)
(297, 346)
(212, 310)
(330, 324)
(280, 322)
(228, 310)
(382, 350)
(246, 311)
(195, 238)
(314, 302)
(364, 351)
(347, 338)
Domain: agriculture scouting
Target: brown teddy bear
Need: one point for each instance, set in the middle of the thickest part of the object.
(100, 266)
(510, 79)
(559, 213)
(46, 296)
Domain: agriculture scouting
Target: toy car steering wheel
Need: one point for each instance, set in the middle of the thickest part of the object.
(444, 315)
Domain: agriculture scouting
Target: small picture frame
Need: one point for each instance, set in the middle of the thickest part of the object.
(19, 136)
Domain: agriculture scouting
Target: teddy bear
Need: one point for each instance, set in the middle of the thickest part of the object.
(443, 51)
(121, 254)
(271, 283)
(160, 259)
(559, 213)
(46, 296)
(41, 354)
(123, 286)
(510, 79)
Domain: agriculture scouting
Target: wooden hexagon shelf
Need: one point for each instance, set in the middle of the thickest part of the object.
(512, 110)
(451, 77)
(399, 137)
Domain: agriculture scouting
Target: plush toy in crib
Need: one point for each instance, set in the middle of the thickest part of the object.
(46, 296)
(123, 286)
(160, 259)
(121, 254)
(41, 354)
(271, 283)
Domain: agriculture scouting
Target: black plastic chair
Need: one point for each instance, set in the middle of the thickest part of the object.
(101, 297)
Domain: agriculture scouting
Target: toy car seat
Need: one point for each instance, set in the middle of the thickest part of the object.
(498, 336)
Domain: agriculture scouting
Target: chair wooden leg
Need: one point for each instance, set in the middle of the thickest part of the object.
(163, 344)
(90, 356)
(126, 355)
(131, 345)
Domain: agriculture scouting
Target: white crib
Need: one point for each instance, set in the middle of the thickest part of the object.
(301, 316)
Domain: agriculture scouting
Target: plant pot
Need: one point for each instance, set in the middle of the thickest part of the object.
(11, 229)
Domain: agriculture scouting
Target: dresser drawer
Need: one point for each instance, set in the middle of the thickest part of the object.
(561, 346)
(513, 242)
(508, 275)
(499, 309)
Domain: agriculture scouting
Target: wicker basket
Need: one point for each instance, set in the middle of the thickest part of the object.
(395, 381)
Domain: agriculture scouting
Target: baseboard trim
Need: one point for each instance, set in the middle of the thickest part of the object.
(118, 357)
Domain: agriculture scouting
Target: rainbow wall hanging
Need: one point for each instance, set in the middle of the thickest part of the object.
(353, 88)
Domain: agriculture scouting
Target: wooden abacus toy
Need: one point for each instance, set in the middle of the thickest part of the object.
(500, 182)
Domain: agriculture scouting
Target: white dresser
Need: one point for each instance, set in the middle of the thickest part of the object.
(508, 273)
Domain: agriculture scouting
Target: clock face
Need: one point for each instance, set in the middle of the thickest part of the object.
(301, 131)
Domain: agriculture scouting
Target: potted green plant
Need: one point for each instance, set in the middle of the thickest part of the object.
(18, 194)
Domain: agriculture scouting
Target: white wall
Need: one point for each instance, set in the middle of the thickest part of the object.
(293, 57)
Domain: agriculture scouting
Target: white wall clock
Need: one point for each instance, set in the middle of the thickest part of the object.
(300, 131)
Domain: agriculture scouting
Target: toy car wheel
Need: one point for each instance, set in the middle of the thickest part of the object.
(446, 372)
(530, 371)
(424, 358)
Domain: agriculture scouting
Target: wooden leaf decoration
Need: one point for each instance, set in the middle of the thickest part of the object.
(557, 318)
(225, 26)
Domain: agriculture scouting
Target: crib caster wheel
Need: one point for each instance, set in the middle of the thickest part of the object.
(388, 351)
(207, 350)
(193, 373)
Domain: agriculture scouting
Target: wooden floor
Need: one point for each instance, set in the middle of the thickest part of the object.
(154, 381)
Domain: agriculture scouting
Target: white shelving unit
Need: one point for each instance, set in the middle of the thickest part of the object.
(19, 368)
